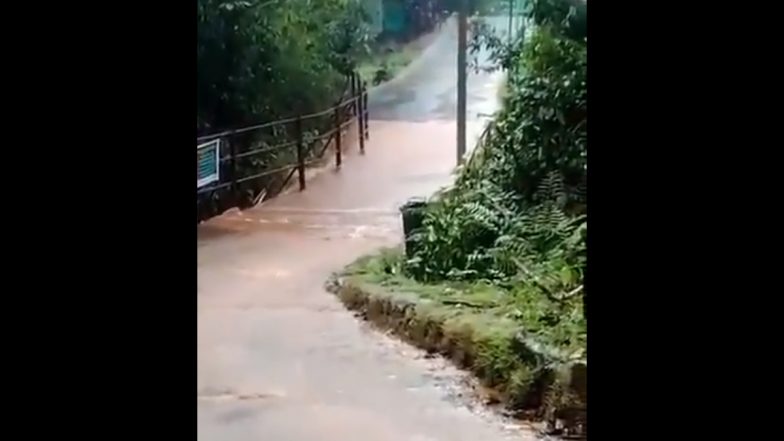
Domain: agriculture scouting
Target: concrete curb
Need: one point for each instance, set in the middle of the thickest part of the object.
(405, 315)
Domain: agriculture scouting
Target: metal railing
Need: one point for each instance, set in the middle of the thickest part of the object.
(257, 162)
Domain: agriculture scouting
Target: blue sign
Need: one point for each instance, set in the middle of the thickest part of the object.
(207, 163)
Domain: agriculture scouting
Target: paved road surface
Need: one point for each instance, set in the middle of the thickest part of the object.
(279, 359)
(428, 90)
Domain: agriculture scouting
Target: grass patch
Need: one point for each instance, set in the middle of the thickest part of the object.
(558, 327)
(507, 338)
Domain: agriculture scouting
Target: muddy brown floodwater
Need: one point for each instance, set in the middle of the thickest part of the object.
(279, 358)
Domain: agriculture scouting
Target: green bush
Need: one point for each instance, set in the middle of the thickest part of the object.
(264, 60)
(515, 217)
(569, 17)
(517, 210)
(260, 60)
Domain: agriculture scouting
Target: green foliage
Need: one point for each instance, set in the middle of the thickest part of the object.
(543, 127)
(507, 242)
(265, 59)
(516, 214)
(565, 18)
(514, 335)
(569, 17)
(481, 234)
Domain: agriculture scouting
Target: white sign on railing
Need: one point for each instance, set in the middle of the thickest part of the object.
(207, 163)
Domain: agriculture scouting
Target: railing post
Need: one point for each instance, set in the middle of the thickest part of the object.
(300, 154)
(338, 150)
(360, 117)
(234, 172)
(353, 81)
(365, 109)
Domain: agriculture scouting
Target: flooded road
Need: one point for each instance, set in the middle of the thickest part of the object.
(279, 358)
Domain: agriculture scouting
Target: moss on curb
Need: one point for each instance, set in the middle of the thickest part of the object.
(470, 332)
(488, 351)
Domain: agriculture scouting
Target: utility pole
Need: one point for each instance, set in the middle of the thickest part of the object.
(462, 31)
(511, 9)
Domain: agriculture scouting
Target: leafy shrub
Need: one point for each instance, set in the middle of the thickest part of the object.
(516, 214)
(263, 60)
(569, 17)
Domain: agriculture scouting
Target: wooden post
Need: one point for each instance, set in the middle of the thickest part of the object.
(234, 172)
(462, 32)
(365, 109)
(360, 117)
(511, 9)
(353, 81)
(338, 152)
(300, 155)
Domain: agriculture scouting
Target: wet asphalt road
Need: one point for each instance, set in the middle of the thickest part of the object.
(280, 359)
(427, 91)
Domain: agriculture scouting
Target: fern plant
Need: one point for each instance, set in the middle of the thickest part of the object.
(516, 213)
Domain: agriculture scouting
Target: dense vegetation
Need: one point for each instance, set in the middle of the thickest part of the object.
(493, 277)
(264, 60)
(261, 60)
(267, 59)
(515, 217)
